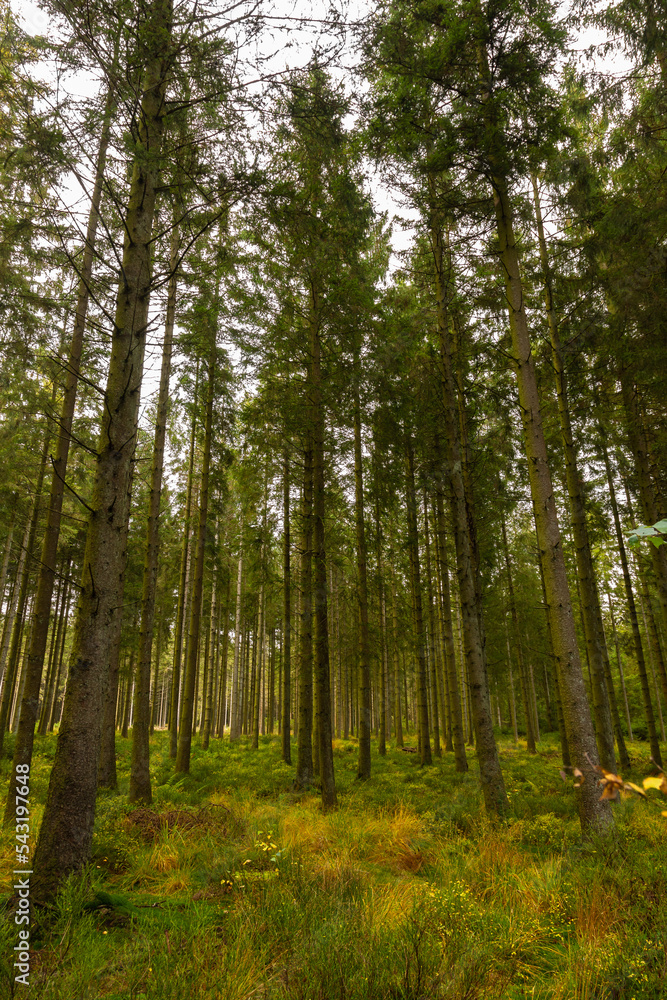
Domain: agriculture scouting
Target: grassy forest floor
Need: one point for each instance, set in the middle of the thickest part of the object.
(233, 886)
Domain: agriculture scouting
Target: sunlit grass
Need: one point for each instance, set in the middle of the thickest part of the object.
(239, 887)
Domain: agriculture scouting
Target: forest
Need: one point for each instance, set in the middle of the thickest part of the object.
(333, 499)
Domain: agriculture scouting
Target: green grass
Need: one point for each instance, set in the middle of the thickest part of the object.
(406, 892)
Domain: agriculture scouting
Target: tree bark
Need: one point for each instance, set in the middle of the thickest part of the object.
(491, 777)
(593, 812)
(66, 830)
(42, 607)
(22, 584)
(174, 708)
(596, 649)
(435, 694)
(287, 617)
(235, 711)
(415, 579)
(632, 608)
(458, 734)
(140, 778)
(188, 702)
(304, 763)
(530, 733)
(322, 677)
(364, 764)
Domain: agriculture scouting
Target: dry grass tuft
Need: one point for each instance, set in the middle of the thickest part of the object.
(598, 914)
(149, 824)
(165, 858)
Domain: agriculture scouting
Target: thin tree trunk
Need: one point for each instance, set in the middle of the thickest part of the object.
(174, 709)
(415, 578)
(287, 616)
(632, 608)
(383, 701)
(530, 731)
(435, 697)
(259, 670)
(58, 625)
(235, 712)
(590, 601)
(491, 777)
(140, 778)
(55, 714)
(23, 581)
(364, 764)
(304, 763)
(322, 677)
(458, 734)
(647, 492)
(397, 670)
(129, 687)
(208, 692)
(628, 721)
(188, 702)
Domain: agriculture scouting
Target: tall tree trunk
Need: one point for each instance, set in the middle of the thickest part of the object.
(364, 765)
(174, 708)
(6, 557)
(188, 703)
(58, 627)
(384, 664)
(42, 608)
(208, 693)
(458, 734)
(304, 760)
(129, 687)
(398, 724)
(55, 708)
(287, 616)
(66, 831)
(632, 608)
(22, 583)
(140, 778)
(530, 732)
(593, 812)
(493, 786)
(322, 678)
(236, 699)
(435, 694)
(628, 721)
(647, 492)
(259, 670)
(415, 578)
(596, 649)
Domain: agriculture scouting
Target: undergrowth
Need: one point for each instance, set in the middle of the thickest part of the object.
(232, 885)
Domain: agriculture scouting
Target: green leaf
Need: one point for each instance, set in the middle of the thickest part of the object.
(661, 526)
(657, 542)
(644, 530)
